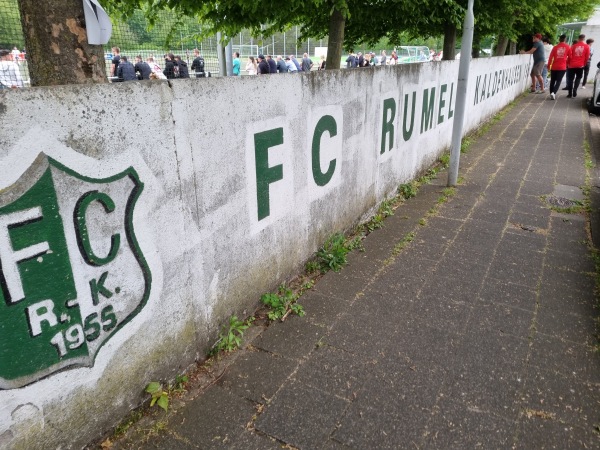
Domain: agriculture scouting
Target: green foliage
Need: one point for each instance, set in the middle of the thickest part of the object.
(179, 386)
(11, 33)
(158, 395)
(332, 255)
(231, 335)
(408, 190)
(445, 160)
(375, 223)
(128, 422)
(386, 208)
(282, 303)
(312, 267)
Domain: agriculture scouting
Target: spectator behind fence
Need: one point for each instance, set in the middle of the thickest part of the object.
(10, 75)
(171, 70)
(142, 68)
(281, 65)
(350, 60)
(198, 64)
(290, 65)
(182, 67)
(16, 54)
(296, 63)
(322, 63)
(307, 63)
(157, 73)
(263, 66)
(116, 59)
(126, 71)
(383, 58)
(272, 64)
(236, 63)
(360, 59)
(251, 66)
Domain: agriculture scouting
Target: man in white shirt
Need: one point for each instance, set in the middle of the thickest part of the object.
(547, 50)
(10, 74)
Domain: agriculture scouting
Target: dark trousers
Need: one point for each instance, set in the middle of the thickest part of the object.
(586, 71)
(576, 74)
(556, 77)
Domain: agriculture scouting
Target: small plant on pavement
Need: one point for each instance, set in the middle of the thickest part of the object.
(333, 253)
(158, 394)
(408, 190)
(179, 386)
(231, 335)
(282, 304)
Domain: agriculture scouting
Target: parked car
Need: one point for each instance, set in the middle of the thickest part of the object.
(595, 100)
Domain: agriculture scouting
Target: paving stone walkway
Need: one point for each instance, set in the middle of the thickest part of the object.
(481, 332)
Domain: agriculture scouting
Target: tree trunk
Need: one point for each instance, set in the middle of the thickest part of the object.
(501, 46)
(449, 41)
(56, 42)
(512, 48)
(337, 23)
(476, 46)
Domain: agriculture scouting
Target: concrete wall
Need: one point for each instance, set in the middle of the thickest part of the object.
(135, 218)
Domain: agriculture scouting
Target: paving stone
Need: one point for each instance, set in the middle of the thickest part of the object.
(168, 440)
(565, 357)
(501, 318)
(566, 325)
(578, 261)
(257, 375)
(540, 433)
(352, 279)
(323, 310)
(294, 338)
(459, 268)
(507, 293)
(252, 441)
(530, 221)
(335, 371)
(393, 410)
(447, 289)
(535, 188)
(563, 398)
(213, 420)
(516, 272)
(302, 417)
(459, 425)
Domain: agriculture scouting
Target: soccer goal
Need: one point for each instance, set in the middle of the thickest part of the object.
(246, 50)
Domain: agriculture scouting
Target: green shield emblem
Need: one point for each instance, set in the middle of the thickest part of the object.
(71, 270)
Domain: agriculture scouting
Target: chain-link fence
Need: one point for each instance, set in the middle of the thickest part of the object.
(135, 36)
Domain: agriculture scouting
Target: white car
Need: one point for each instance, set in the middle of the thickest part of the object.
(595, 100)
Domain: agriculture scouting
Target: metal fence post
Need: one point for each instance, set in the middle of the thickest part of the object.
(461, 95)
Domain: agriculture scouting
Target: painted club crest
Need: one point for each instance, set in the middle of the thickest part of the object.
(71, 270)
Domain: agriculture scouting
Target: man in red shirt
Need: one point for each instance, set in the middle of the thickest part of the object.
(557, 63)
(580, 53)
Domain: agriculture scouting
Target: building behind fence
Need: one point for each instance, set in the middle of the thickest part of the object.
(170, 34)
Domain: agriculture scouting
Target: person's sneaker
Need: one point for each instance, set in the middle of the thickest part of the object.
(553, 96)
(582, 87)
(574, 94)
(569, 96)
(565, 89)
(541, 92)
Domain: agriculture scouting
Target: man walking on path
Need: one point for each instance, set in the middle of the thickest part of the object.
(580, 53)
(586, 69)
(557, 62)
(537, 50)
